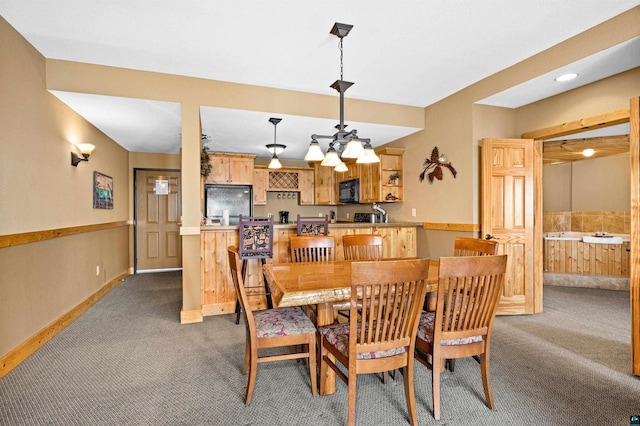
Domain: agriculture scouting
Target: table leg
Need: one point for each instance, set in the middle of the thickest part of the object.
(325, 314)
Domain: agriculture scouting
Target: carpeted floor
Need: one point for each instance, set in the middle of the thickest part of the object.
(128, 361)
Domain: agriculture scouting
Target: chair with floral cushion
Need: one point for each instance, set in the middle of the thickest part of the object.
(376, 340)
(469, 288)
(272, 328)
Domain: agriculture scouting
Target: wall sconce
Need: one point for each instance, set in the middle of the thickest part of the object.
(85, 150)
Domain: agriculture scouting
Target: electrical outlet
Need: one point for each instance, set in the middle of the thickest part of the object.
(97, 270)
(413, 212)
(320, 214)
(347, 215)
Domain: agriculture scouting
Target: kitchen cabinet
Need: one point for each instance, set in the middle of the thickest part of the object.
(234, 169)
(217, 293)
(325, 185)
(307, 188)
(369, 182)
(349, 174)
(260, 178)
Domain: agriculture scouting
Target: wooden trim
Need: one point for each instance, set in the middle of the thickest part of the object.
(194, 315)
(465, 227)
(581, 125)
(33, 237)
(634, 281)
(22, 352)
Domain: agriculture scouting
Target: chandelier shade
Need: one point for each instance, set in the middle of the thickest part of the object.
(343, 144)
(275, 162)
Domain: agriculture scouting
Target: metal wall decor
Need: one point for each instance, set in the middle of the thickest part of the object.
(435, 164)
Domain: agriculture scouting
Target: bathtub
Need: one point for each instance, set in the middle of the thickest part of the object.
(579, 259)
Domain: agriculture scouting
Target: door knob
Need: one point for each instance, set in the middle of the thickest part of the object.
(490, 237)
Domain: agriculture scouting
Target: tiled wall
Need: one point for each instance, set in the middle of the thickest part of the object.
(612, 222)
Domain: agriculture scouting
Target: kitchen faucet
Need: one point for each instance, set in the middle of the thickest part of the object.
(382, 211)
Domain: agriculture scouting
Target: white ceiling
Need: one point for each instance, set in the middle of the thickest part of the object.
(413, 53)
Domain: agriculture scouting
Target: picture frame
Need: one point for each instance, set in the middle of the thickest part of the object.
(102, 191)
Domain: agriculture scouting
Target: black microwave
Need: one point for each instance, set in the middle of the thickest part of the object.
(349, 191)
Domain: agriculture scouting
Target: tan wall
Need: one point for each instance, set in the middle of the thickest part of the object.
(40, 190)
(556, 187)
(455, 125)
(601, 184)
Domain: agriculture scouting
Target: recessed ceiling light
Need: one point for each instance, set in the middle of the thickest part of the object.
(566, 77)
(588, 152)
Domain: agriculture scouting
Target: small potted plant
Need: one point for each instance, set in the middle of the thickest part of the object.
(393, 178)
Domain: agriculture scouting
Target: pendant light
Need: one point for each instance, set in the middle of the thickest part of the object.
(343, 144)
(275, 163)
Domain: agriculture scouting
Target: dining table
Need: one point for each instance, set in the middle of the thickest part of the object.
(319, 285)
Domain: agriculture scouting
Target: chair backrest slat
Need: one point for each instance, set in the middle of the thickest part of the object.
(312, 249)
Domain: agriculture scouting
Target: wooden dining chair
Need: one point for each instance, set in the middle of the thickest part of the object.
(381, 337)
(272, 328)
(358, 247)
(469, 289)
(312, 249)
(362, 247)
(463, 246)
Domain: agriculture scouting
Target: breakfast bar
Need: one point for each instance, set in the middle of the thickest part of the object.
(217, 294)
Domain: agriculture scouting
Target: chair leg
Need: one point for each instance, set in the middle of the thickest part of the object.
(323, 366)
(253, 367)
(247, 355)
(451, 364)
(352, 398)
(435, 376)
(486, 380)
(409, 392)
(238, 311)
(313, 373)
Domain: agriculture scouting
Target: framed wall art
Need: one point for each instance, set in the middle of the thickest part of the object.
(102, 191)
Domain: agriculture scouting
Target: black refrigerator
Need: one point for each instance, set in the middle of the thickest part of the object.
(238, 199)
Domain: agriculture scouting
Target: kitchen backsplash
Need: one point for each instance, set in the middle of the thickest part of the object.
(613, 222)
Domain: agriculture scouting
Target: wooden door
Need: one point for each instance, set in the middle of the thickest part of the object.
(157, 217)
(511, 205)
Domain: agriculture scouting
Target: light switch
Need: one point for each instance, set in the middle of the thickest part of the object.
(413, 212)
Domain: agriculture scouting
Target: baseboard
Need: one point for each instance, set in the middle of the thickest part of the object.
(35, 342)
(189, 317)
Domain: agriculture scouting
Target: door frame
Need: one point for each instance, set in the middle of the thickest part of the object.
(629, 115)
(135, 208)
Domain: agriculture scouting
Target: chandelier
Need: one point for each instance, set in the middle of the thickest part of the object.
(344, 144)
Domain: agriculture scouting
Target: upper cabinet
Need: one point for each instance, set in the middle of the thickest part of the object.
(391, 172)
(325, 183)
(236, 169)
(260, 179)
(307, 188)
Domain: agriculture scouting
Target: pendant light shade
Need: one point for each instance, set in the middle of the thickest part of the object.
(331, 159)
(341, 167)
(314, 153)
(275, 163)
(369, 155)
